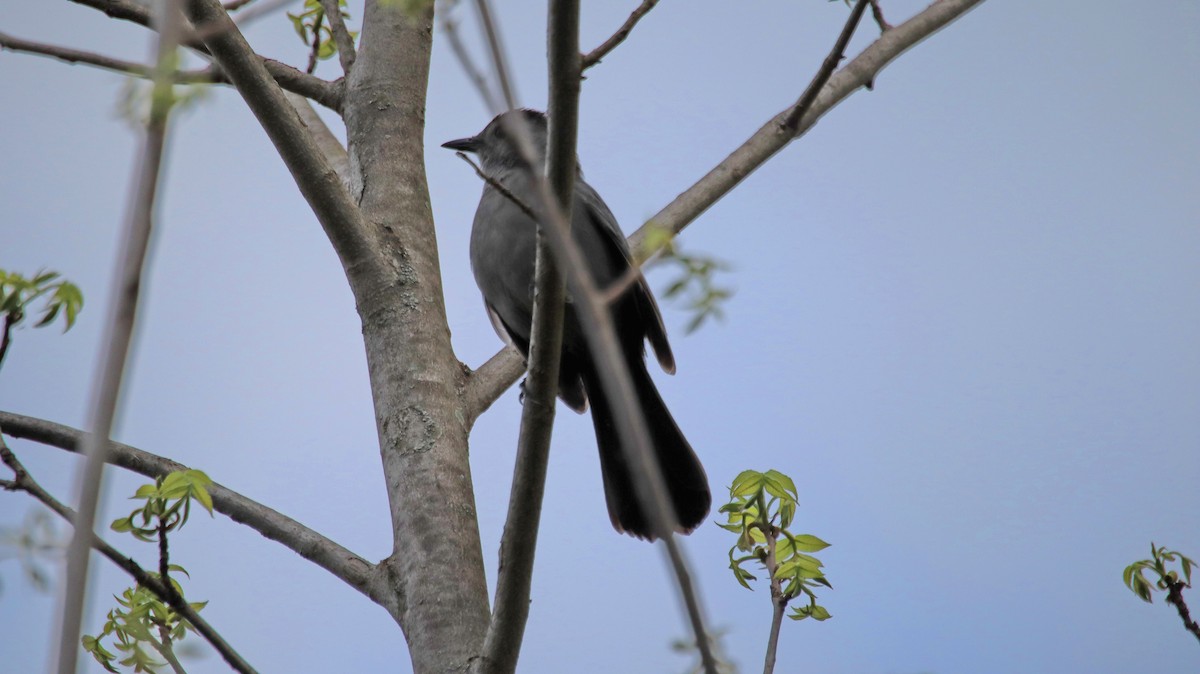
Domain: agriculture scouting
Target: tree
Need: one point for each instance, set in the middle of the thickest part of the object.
(421, 410)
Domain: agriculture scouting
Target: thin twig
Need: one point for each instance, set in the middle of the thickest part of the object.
(594, 56)
(328, 94)
(778, 603)
(450, 28)
(234, 5)
(341, 35)
(164, 649)
(829, 65)
(877, 13)
(315, 50)
(6, 335)
(1175, 598)
(69, 55)
(118, 334)
(23, 481)
(499, 187)
(499, 62)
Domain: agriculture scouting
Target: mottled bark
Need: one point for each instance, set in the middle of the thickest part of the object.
(416, 381)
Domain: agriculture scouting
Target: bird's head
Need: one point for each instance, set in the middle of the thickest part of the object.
(499, 144)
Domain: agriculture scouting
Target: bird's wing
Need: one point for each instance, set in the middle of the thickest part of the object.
(603, 219)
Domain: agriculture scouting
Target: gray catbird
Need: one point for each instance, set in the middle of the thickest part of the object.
(502, 256)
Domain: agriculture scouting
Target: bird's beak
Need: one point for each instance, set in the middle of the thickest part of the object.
(463, 144)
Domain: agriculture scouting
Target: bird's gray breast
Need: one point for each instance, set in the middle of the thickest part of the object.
(503, 248)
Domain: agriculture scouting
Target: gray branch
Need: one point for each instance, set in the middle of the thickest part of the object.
(342, 563)
(69, 55)
(594, 56)
(328, 94)
(341, 35)
(502, 645)
(23, 481)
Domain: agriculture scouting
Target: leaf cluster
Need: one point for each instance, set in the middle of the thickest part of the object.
(696, 285)
(1160, 557)
(17, 293)
(132, 625)
(168, 504)
(760, 511)
(312, 28)
(141, 613)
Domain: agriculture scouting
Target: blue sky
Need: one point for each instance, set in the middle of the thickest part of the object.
(965, 322)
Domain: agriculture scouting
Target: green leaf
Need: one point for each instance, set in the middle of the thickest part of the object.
(298, 24)
(819, 613)
(146, 491)
(779, 485)
(42, 278)
(49, 316)
(809, 543)
(747, 483)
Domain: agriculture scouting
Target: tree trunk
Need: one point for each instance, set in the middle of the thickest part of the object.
(436, 568)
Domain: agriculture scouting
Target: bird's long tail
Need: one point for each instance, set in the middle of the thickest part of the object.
(681, 469)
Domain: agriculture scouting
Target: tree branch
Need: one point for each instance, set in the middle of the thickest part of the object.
(118, 333)
(341, 36)
(877, 13)
(499, 63)
(328, 94)
(829, 65)
(510, 613)
(594, 56)
(69, 55)
(23, 481)
(337, 560)
(326, 142)
(6, 338)
(772, 137)
(477, 79)
(318, 182)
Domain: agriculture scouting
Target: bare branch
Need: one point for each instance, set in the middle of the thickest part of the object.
(773, 137)
(877, 13)
(326, 142)
(510, 613)
(319, 184)
(341, 35)
(69, 55)
(118, 334)
(450, 28)
(6, 336)
(337, 560)
(594, 56)
(314, 51)
(234, 5)
(23, 481)
(829, 65)
(328, 94)
(499, 63)
(496, 375)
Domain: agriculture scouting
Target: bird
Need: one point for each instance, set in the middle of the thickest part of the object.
(502, 251)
